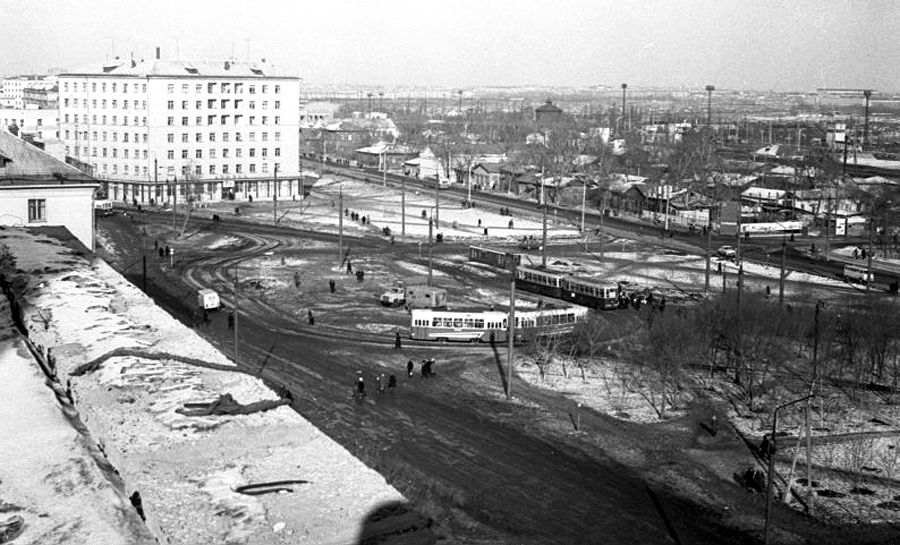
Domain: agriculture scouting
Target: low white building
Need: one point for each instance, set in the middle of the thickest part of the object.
(37, 190)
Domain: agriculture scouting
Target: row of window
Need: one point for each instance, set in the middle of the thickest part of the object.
(224, 88)
(113, 85)
(223, 103)
(223, 120)
(102, 120)
(211, 87)
(141, 170)
(100, 136)
(94, 151)
(238, 137)
(113, 103)
(225, 153)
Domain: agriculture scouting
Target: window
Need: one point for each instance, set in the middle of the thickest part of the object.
(184, 120)
(278, 120)
(170, 105)
(113, 103)
(199, 120)
(114, 87)
(198, 104)
(252, 167)
(277, 104)
(237, 137)
(224, 169)
(184, 154)
(253, 137)
(224, 137)
(212, 137)
(103, 86)
(115, 152)
(125, 137)
(265, 137)
(212, 154)
(37, 210)
(198, 137)
(170, 154)
(237, 168)
(184, 105)
(265, 89)
(252, 152)
(66, 103)
(184, 87)
(265, 167)
(184, 137)
(212, 169)
(253, 120)
(278, 137)
(170, 88)
(225, 153)
(252, 105)
(94, 87)
(265, 152)
(252, 89)
(210, 120)
(226, 88)
(198, 154)
(198, 170)
(265, 120)
(277, 90)
(124, 104)
(198, 89)
(170, 137)
(170, 121)
(265, 104)
(238, 152)
(104, 152)
(125, 153)
(277, 152)
(210, 87)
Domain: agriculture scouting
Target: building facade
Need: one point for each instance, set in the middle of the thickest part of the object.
(208, 130)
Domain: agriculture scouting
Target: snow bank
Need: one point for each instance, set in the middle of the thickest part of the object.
(133, 369)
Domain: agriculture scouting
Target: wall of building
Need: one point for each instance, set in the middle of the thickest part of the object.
(70, 206)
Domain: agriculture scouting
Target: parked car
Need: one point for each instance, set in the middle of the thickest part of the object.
(727, 252)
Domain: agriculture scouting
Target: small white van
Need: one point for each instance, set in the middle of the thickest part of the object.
(208, 299)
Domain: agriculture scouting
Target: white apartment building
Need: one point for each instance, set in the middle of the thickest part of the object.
(213, 130)
(31, 120)
(12, 89)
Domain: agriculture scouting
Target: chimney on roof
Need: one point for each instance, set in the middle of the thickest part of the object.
(264, 60)
(157, 53)
(227, 65)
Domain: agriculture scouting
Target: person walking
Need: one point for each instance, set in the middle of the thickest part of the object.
(331, 286)
(230, 320)
(349, 267)
(409, 368)
(392, 381)
(398, 343)
(381, 383)
(309, 316)
(360, 386)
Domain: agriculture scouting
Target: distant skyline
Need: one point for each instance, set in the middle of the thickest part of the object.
(761, 45)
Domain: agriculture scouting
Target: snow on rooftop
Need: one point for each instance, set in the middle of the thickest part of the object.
(147, 366)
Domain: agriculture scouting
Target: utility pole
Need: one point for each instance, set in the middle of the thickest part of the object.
(236, 297)
(781, 276)
(544, 221)
(624, 86)
(430, 250)
(867, 93)
(403, 206)
(511, 325)
(275, 198)
(583, 199)
(340, 223)
(709, 91)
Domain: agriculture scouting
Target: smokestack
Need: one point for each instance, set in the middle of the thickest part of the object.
(157, 53)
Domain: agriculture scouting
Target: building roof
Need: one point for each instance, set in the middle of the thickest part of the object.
(180, 68)
(548, 107)
(29, 165)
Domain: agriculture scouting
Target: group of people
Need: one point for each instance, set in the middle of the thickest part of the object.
(383, 383)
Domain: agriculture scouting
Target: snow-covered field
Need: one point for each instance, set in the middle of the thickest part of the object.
(132, 369)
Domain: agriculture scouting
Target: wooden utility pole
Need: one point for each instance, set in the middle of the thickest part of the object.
(511, 325)
(236, 297)
(781, 276)
(430, 250)
(341, 223)
(403, 206)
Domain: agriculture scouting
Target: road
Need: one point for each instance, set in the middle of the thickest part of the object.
(486, 471)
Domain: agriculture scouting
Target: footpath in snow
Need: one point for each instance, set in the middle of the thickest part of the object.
(164, 414)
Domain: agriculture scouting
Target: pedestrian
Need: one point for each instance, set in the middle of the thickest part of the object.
(360, 387)
(768, 291)
(205, 317)
(161, 252)
(331, 285)
(381, 383)
(430, 367)
(855, 253)
(409, 368)
(309, 316)
(397, 341)
(230, 320)
(719, 267)
(510, 224)
(156, 245)
(392, 381)
(349, 267)
(296, 278)
(423, 370)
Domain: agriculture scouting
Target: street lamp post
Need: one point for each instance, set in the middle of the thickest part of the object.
(771, 454)
(709, 90)
(624, 86)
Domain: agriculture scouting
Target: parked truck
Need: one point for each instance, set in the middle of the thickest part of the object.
(415, 295)
(208, 299)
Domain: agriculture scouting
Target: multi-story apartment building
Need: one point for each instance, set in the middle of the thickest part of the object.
(12, 89)
(213, 130)
(31, 121)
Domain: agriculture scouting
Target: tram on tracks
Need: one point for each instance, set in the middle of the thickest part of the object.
(492, 325)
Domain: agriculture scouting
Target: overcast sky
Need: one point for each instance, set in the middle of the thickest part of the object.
(783, 45)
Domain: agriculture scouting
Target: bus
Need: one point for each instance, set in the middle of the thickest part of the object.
(855, 273)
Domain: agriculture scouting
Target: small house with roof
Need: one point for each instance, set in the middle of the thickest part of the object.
(548, 112)
(37, 190)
